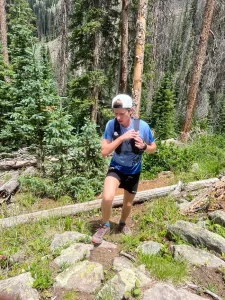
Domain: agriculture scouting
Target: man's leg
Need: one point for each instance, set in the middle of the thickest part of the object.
(110, 186)
(130, 189)
(126, 210)
(127, 205)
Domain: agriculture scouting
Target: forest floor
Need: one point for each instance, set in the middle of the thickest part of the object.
(205, 278)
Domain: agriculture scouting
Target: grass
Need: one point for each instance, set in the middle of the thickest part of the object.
(165, 267)
(217, 228)
(209, 153)
(34, 239)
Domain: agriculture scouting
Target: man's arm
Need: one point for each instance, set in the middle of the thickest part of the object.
(139, 143)
(151, 148)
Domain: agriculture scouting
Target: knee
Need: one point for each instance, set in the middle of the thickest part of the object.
(107, 198)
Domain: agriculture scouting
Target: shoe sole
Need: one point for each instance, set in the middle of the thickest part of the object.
(96, 242)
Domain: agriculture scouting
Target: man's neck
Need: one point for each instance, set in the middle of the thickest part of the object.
(129, 123)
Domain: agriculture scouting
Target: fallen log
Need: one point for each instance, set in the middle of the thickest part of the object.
(96, 204)
(205, 200)
(8, 189)
(17, 164)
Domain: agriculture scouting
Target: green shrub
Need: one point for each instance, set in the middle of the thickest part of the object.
(79, 174)
(167, 158)
(209, 152)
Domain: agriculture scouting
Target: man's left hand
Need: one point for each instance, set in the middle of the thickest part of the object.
(139, 143)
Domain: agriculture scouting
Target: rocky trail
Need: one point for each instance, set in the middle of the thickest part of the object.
(89, 266)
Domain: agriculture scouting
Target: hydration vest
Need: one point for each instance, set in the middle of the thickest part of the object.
(117, 133)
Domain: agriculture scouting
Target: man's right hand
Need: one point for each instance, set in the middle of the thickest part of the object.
(131, 134)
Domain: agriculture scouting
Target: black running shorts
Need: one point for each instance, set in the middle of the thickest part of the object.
(127, 182)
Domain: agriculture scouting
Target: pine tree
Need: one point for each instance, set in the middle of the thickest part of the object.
(92, 44)
(5, 103)
(162, 119)
(33, 89)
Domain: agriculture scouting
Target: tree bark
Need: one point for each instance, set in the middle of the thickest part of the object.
(197, 67)
(63, 52)
(95, 90)
(8, 189)
(96, 204)
(124, 47)
(17, 164)
(153, 53)
(3, 32)
(139, 55)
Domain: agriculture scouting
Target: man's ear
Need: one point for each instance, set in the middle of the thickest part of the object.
(131, 110)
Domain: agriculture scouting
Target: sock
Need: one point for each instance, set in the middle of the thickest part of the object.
(122, 223)
(106, 224)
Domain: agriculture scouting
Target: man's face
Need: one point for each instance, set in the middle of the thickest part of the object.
(123, 116)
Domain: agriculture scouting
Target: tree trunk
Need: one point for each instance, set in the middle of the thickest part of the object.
(74, 209)
(3, 32)
(95, 90)
(124, 47)
(197, 67)
(63, 53)
(153, 54)
(139, 55)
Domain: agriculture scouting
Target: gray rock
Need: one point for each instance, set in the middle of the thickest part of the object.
(163, 291)
(218, 217)
(19, 287)
(195, 167)
(67, 237)
(201, 223)
(73, 254)
(197, 256)
(197, 235)
(17, 257)
(83, 277)
(122, 263)
(149, 248)
(121, 283)
(107, 245)
(182, 205)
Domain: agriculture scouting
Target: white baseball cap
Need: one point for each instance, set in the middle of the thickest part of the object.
(126, 101)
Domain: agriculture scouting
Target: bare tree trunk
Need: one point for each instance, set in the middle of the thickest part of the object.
(197, 67)
(3, 32)
(63, 53)
(154, 47)
(3, 35)
(124, 47)
(95, 90)
(139, 55)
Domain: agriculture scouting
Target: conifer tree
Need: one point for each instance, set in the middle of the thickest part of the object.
(92, 42)
(163, 109)
(33, 89)
(5, 103)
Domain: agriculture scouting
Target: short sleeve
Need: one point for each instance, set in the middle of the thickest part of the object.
(109, 129)
(146, 132)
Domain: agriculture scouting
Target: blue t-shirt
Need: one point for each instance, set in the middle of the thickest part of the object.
(127, 162)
